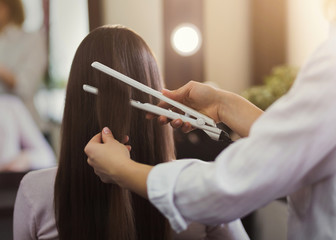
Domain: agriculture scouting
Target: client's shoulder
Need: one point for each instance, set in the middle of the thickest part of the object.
(41, 175)
(35, 200)
(39, 182)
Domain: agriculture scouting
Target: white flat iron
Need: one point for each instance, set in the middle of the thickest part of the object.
(196, 119)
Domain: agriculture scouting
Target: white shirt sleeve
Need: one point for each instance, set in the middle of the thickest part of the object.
(196, 231)
(287, 148)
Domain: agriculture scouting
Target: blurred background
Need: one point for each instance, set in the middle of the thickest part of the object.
(251, 47)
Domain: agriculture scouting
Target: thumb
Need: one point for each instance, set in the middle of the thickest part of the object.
(107, 135)
(168, 93)
(178, 94)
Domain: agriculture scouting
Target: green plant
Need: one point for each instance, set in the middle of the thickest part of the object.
(275, 85)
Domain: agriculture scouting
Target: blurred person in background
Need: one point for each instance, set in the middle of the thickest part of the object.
(22, 146)
(23, 56)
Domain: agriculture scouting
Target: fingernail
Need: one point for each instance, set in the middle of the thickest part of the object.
(178, 122)
(106, 130)
(161, 120)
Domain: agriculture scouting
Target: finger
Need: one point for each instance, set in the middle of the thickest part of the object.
(89, 161)
(150, 116)
(168, 94)
(94, 140)
(163, 120)
(178, 94)
(176, 123)
(171, 94)
(107, 135)
(177, 110)
(125, 139)
(186, 127)
(163, 104)
(103, 179)
(92, 163)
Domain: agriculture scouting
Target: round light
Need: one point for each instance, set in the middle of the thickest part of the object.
(186, 39)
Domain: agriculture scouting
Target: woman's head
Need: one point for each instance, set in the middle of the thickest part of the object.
(11, 11)
(123, 50)
(86, 114)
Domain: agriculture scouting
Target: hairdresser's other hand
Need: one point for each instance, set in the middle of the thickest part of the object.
(107, 158)
(111, 162)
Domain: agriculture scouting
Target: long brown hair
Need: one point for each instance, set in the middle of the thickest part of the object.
(86, 208)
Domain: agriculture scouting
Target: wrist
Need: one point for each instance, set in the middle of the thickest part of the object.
(121, 174)
(134, 177)
(237, 113)
(222, 107)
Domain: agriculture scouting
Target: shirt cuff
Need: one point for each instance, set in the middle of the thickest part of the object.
(160, 186)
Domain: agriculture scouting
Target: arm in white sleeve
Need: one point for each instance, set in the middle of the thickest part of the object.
(197, 231)
(286, 147)
(230, 231)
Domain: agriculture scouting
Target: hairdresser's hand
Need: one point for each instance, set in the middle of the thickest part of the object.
(111, 162)
(108, 157)
(222, 106)
(198, 96)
